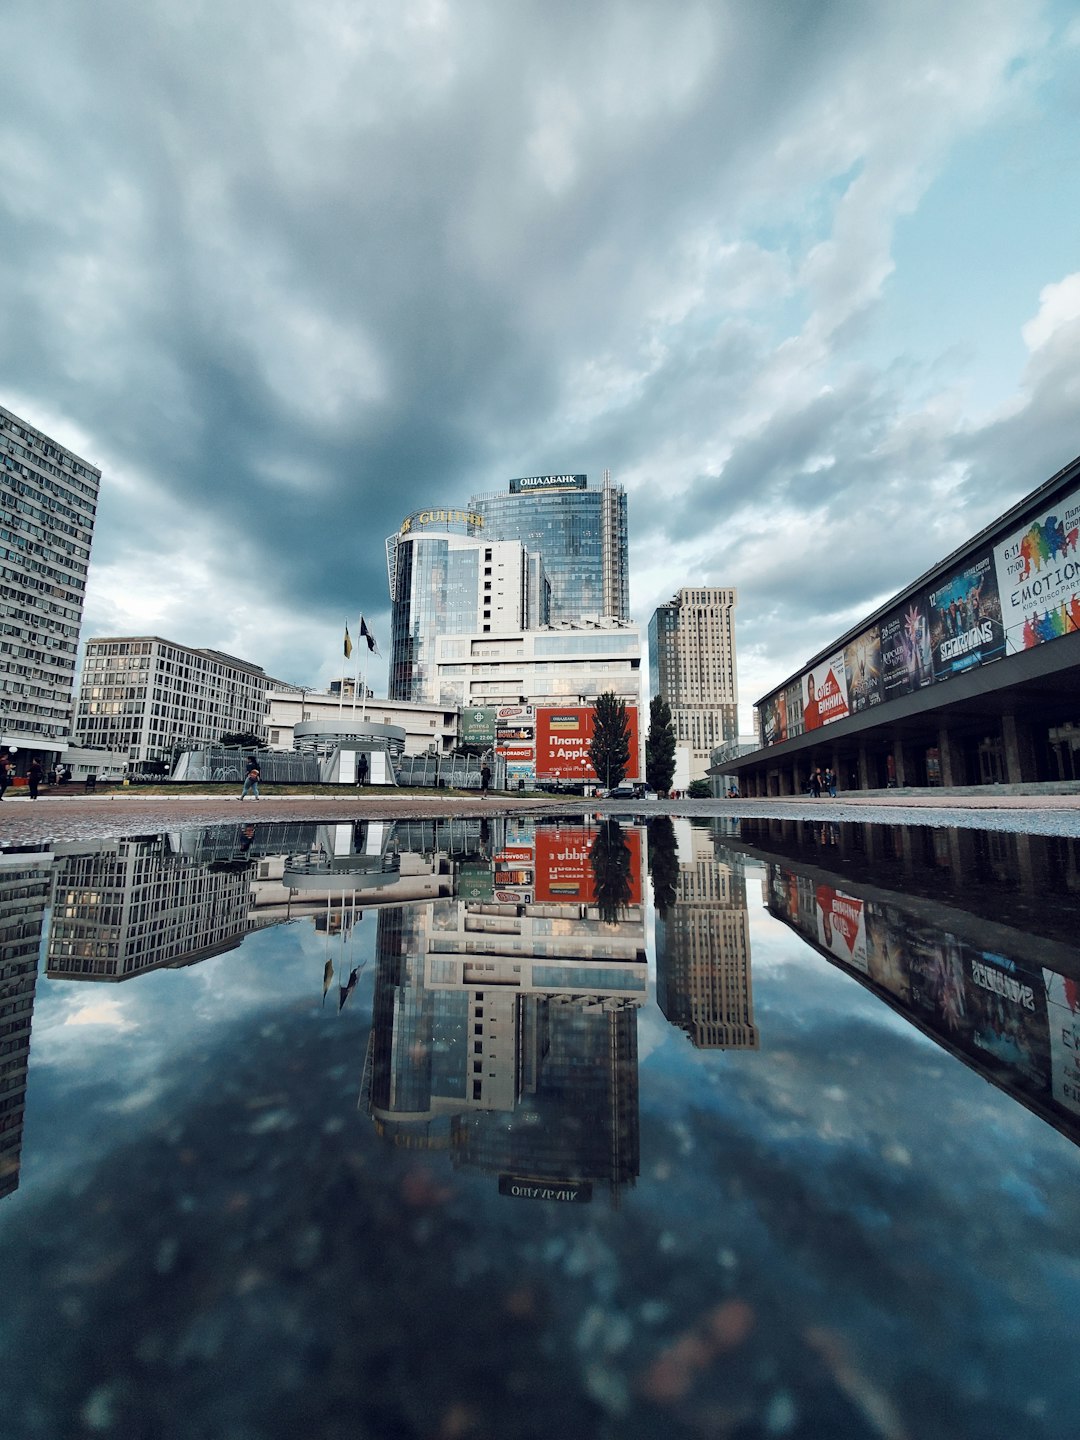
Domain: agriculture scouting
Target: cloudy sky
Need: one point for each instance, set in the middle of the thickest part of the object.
(803, 275)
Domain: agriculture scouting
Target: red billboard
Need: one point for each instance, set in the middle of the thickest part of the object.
(564, 870)
(563, 736)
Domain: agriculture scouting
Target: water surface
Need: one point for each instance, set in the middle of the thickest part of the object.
(503, 1128)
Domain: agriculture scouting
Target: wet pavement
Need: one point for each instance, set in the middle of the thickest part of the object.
(73, 816)
(470, 1125)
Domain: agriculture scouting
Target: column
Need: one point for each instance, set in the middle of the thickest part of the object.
(864, 769)
(1020, 763)
(952, 759)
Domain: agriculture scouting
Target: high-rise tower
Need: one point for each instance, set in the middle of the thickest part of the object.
(580, 533)
(692, 665)
(50, 504)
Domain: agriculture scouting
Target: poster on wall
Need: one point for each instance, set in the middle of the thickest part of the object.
(907, 655)
(824, 693)
(886, 953)
(862, 669)
(1007, 1003)
(563, 737)
(774, 719)
(965, 619)
(841, 926)
(1038, 576)
(1063, 1007)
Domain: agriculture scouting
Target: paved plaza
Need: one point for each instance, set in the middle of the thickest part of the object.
(75, 816)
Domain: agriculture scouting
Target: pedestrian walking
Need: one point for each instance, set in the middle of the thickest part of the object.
(830, 782)
(815, 783)
(33, 778)
(251, 780)
(361, 768)
(5, 774)
(485, 777)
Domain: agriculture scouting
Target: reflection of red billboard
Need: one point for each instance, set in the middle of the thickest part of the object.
(563, 868)
(563, 736)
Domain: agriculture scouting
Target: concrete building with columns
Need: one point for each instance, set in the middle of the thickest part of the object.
(969, 676)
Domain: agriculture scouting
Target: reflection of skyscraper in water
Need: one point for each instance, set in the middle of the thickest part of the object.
(133, 905)
(703, 981)
(506, 1032)
(24, 891)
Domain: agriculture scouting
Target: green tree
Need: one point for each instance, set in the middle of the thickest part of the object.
(663, 863)
(699, 790)
(240, 740)
(611, 863)
(609, 749)
(660, 747)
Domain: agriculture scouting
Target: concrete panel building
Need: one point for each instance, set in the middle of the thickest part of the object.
(50, 505)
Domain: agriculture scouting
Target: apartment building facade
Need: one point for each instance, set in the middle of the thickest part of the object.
(151, 697)
(46, 527)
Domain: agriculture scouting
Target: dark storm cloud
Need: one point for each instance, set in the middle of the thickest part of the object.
(295, 270)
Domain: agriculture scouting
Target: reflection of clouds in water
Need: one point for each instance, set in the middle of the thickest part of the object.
(108, 1012)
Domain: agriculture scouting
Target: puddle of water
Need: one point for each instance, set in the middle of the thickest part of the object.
(498, 1127)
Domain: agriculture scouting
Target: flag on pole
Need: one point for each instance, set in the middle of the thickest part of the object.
(365, 634)
(348, 642)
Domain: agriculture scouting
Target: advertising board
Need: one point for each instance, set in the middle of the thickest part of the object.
(824, 693)
(841, 926)
(862, 670)
(774, 719)
(526, 484)
(1063, 1005)
(907, 655)
(564, 868)
(1038, 576)
(563, 737)
(478, 725)
(965, 619)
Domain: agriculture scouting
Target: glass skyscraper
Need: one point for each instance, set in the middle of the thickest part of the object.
(444, 583)
(580, 532)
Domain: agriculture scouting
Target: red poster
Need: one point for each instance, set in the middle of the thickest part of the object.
(564, 870)
(563, 736)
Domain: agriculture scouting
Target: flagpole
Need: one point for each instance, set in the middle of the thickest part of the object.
(341, 685)
(357, 662)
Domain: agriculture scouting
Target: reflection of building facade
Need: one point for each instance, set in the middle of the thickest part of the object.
(504, 1027)
(145, 695)
(703, 980)
(24, 894)
(50, 508)
(995, 984)
(692, 667)
(914, 695)
(131, 906)
(581, 534)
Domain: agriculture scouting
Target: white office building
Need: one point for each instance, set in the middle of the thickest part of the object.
(558, 663)
(46, 526)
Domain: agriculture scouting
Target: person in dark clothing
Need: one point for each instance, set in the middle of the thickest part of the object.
(815, 783)
(33, 778)
(485, 777)
(361, 769)
(251, 780)
(5, 774)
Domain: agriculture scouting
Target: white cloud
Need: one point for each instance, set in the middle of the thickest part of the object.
(1059, 305)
